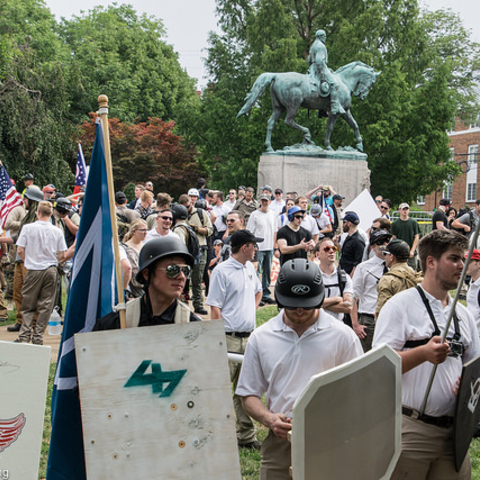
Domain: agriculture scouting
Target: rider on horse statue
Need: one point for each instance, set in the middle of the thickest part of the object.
(318, 60)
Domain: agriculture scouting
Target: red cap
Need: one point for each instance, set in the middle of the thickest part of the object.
(475, 255)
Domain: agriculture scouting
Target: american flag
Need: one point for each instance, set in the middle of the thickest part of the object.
(9, 197)
(81, 171)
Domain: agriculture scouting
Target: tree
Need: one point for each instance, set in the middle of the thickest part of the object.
(403, 120)
(146, 150)
(123, 55)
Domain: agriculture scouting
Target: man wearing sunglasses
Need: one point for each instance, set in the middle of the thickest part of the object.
(164, 267)
(282, 355)
(164, 224)
(234, 295)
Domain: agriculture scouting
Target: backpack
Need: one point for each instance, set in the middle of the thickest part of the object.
(122, 226)
(341, 281)
(193, 245)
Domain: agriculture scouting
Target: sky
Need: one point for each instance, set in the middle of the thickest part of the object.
(188, 22)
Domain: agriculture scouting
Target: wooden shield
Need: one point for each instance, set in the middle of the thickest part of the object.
(348, 417)
(467, 411)
(157, 403)
(24, 372)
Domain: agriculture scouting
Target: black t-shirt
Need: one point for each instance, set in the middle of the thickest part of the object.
(352, 252)
(111, 321)
(293, 238)
(439, 216)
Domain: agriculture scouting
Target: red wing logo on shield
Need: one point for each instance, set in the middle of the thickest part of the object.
(10, 430)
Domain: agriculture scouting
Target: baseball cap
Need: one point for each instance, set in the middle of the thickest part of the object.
(241, 237)
(217, 242)
(337, 196)
(352, 217)
(278, 190)
(267, 187)
(120, 197)
(403, 205)
(242, 187)
(264, 196)
(445, 202)
(379, 235)
(475, 255)
(315, 209)
(325, 188)
(193, 192)
(397, 247)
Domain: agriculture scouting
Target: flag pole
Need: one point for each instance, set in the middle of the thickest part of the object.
(103, 111)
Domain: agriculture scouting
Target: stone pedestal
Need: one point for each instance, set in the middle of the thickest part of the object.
(346, 171)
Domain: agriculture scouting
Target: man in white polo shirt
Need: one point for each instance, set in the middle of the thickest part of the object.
(41, 245)
(282, 355)
(164, 224)
(234, 295)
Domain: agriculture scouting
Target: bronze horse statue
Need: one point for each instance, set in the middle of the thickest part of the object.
(291, 90)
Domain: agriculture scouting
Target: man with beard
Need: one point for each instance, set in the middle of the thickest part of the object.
(353, 245)
(412, 323)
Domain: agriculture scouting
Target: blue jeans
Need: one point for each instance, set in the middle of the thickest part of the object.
(265, 258)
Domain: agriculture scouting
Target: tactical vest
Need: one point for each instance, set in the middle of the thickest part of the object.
(134, 308)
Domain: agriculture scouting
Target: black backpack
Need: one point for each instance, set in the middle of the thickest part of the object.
(193, 245)
(341, 279)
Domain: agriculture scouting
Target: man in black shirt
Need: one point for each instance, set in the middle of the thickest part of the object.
(293, 240)
(164, 266)
(353, 245)
(439, 219)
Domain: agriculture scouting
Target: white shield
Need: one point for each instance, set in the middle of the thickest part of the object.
(347, 421)
(157, 403)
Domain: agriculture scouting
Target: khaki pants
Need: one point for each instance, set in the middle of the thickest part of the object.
(18, 276)
(369, 323)
(244, 424)
(427, 453)
(276, 458)
(38, 294)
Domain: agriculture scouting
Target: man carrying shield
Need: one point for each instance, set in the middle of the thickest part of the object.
(282, 355)
(412, 323)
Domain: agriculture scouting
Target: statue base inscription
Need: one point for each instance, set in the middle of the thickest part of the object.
(301, 168)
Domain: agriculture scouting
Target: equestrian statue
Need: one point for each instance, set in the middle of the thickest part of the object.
(320, 89)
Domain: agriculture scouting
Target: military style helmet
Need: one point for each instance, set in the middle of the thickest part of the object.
(28, 176)
(158, 248)
(378, 237)
(179, 212)
(299, 285)
(293, 211)
(63, 205)
(201, 203)
(34, 194)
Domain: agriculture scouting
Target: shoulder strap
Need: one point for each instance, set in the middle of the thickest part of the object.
(182, 313)
(342, 279)
(133, 312)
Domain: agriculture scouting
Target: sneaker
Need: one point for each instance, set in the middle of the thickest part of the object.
(269, 301)
(201, 311)
(255, 445)
(14, 328)
(261, 304)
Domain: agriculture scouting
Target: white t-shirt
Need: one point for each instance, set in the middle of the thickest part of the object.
(41, 241)
(405, 317)
(229, 205)
(232, 289)
(219, 212)
(332, 289)
(472, 301)
(322, 222)
(262, 225)
(276, 207)
(279, 363)
(151, 234)
(310, 224)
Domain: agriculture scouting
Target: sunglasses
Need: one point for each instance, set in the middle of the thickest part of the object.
(386, 253)
(298, 216)
(230, 220)
(378, 201)
(174, 270)
(304, 308)
(167, 218)
(383, 208)
(328, 248)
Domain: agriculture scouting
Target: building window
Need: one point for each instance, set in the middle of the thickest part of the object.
(472, 173)
(421, 200)
(448, 190)
(475, 124)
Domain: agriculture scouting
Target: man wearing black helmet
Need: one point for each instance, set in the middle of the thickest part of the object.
(365, 281)
(282, 355)
(164, 266)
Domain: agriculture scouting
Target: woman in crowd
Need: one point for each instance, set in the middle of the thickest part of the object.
(451, 214)
(133, 243)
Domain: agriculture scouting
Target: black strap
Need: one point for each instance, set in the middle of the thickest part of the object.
(436, 332)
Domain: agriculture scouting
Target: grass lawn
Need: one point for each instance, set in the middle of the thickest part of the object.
(249, 461)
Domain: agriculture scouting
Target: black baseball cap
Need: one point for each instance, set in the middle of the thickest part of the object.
(120, 198)
(337, 196)
(398, 248)
(241, 237)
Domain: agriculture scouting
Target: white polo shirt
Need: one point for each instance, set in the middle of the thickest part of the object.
(219, 211)
(232, 289)
(279, 363)
(310, 224)
(332, 289)
(405, 317)
(151, 234)
(41, 241)
(262, 225)
(472, 301)
(365, 281)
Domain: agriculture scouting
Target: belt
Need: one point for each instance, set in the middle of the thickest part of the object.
(369, 315)
(238, 334)
(442, 422)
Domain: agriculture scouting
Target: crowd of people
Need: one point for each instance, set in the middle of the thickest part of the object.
(340, 290)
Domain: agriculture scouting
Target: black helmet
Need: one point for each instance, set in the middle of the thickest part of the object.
(28, 176)
(34, 194)
(63, 205)
(299, 285)
(378, 237)
(179, 212)
(158, 248)
(201, 203)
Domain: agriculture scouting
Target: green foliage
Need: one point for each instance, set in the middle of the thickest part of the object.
(428, 63)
